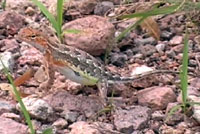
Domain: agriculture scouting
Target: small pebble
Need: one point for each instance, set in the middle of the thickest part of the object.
(160, 47)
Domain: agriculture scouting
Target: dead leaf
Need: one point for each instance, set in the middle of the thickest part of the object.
(151, 26)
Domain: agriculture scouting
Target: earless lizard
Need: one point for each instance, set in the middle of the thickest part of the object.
(75, 64)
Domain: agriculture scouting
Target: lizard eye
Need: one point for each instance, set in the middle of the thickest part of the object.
(33, 36)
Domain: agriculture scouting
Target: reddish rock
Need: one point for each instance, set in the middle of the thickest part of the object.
(10, 22)
(86, 128)
(176, 40)
(62, 100)
(156, 97)
(132, 118)
(96, 33)
(8, 126)
(8, 45)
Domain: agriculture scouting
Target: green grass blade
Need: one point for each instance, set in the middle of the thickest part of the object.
(48, 131)
(48, 15)
(3, 5)
(153, 12)
(119, 37)
(60, 15)
(23, 108)
(184, 71)
(173, 110)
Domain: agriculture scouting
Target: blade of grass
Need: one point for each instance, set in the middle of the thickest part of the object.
(48, 15)
(3, 5)
(119, 37)
(60, 15)
(48, 131)
(184, 72)
(153, 12)
(173, 110)
(23, 108)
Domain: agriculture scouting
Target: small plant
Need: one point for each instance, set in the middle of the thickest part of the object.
(146, 14)
(17, 94)
(184, 83)
(3, 5)
(56, 21)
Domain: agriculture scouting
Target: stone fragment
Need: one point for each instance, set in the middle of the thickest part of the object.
(176, 40)
(10, 22)
(102, 7)
(8, 60)
(60, 123)
(6, 106)
(132, 118)
(94, 36)
(156, 97)
(38, 108)
(9, 126)
(62, 100)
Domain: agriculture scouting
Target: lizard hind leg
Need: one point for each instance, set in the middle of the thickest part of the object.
(103, 87)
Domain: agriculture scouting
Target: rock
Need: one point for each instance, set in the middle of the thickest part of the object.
(140, 70)
(174, 118)
(165, 35)
(195, 83)
(170, 130)
(38, 108)
(60, 123)
(178, 48)
(96, 33)
(11, 116)
(86, 128)
(30, 11)
(64, 101)
(158, 115)
(132, 118)
(156, 97)
(10, 22)
(196, 108)
(10, 45)
(116, 2)
(29, 55)
(6, 106)
(141, 42)
(85, 7)
(102, 7)
(160, 47)
(118, 59)
(8, 60)
(176, 40)
(70, 116)
(121, 26)
(9, 126)
(171, 53)
(147, 50)
(192, 91)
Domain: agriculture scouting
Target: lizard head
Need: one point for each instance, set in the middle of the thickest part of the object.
(33, 37)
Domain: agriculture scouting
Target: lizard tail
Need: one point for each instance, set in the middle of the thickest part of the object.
(123, 79)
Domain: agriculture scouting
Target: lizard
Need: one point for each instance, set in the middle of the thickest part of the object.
(75, 64)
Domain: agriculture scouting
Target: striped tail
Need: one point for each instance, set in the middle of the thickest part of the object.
(117, 78)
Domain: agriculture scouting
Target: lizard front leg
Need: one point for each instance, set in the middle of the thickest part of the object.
(103, 88)
(49, 71)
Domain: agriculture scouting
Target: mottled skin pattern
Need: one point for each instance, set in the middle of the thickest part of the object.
(75, 64)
